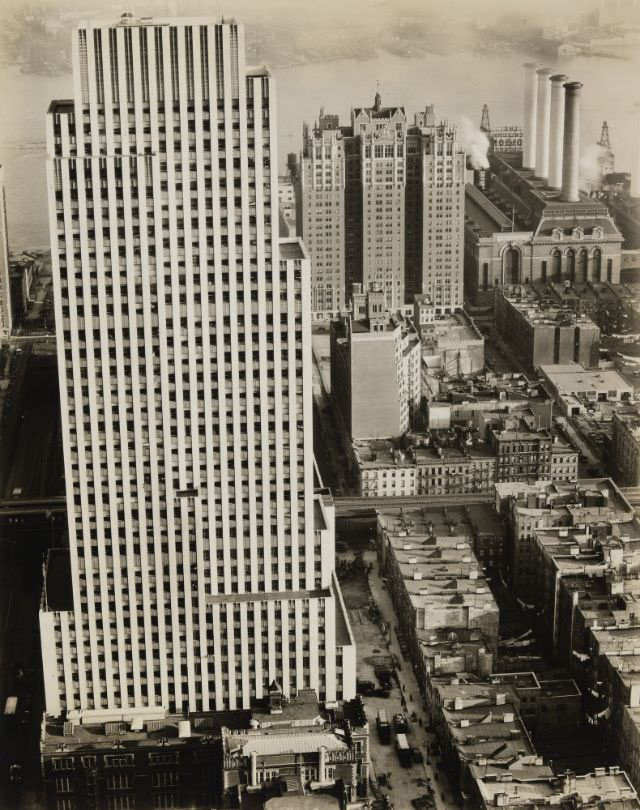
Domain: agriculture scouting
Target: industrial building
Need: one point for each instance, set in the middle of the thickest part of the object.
(525, 218)
(578, 390)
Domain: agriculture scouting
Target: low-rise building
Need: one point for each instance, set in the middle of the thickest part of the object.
(466, 458)
(437, 584)
(452, 344)
(576, 389)
(476, 402)
(375, 369)
(533, 786)
(527, 507)
(295, 748)
(625, 447)
(550, 707)
(526, 453)
(438, 462)
(142, 760)
(477, 723)
(544, 333)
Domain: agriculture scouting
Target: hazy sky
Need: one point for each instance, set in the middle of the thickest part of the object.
(313, 8)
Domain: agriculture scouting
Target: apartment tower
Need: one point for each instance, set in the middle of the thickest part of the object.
(381, 202)
(201, 562)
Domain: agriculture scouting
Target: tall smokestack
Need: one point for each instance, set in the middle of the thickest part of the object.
(634, 190)
(556, 130)
(530, 107)
(571, 143)
(542, 124)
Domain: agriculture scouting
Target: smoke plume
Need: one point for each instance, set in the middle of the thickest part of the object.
(590, 166)
(475, 143)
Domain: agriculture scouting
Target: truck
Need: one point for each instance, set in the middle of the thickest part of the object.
(384, 729)
(404, 750)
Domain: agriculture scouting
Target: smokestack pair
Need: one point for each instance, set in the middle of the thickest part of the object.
(552, 130)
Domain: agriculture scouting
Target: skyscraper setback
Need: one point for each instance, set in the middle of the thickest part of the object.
(381, 203)
(201, 560)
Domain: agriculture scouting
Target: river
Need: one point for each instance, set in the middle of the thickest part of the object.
(458, 84)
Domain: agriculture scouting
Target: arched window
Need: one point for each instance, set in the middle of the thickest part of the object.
(556, 266)
(511, 266)
(582, 265)
(571, 265)
(597, 265)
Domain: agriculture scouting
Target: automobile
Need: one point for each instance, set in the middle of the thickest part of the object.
(365, 687)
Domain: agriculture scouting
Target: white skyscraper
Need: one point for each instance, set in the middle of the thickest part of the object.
(201, 563)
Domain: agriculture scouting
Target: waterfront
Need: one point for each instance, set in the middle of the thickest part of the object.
(472, 79)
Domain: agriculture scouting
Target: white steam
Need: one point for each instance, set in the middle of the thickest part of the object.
(591, 166)
(475, 143)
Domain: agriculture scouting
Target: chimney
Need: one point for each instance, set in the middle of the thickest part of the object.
(556, 130)
(530, 106)
(571, 143)
(542, 126)
(635, 166)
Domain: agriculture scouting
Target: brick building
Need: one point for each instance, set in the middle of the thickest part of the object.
(625, 447)
(382, 201)
(542, 332)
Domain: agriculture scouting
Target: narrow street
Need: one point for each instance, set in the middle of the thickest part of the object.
(410, 783)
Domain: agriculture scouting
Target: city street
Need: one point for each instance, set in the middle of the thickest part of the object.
(35, 468)
(406, 783)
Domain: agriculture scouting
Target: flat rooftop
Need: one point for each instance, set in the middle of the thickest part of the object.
(570, 499)
(543, 311)
(573, 378)
(414, 450)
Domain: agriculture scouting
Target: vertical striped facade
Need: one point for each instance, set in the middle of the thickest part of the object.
(201, 561)
(6, 318)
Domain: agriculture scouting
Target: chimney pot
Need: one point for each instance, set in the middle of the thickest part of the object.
(571, 143)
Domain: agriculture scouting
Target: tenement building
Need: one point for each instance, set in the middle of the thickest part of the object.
(201, 563)
(531, 506)
(439, 589)
(526, 220)
(382, 201)
(625, 447)
(375, 368)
